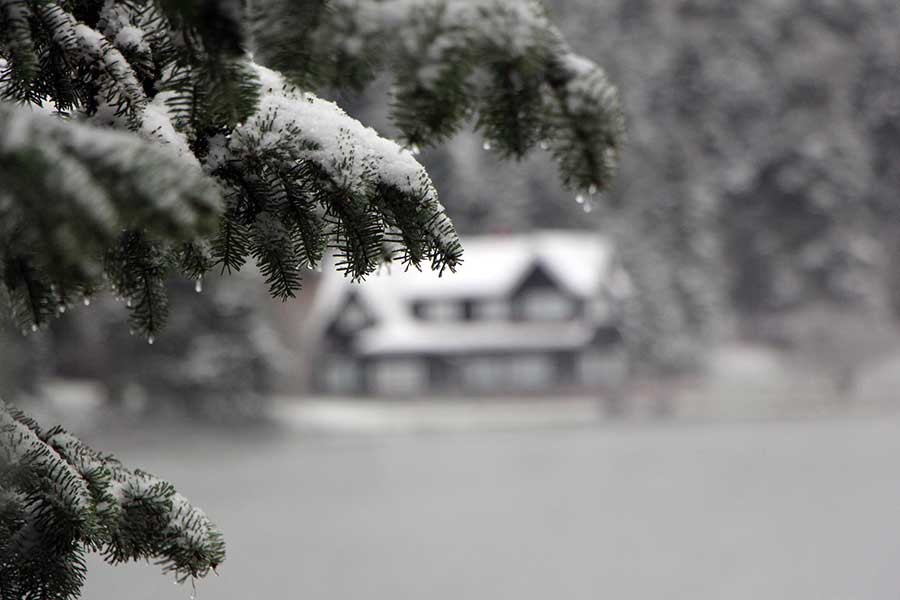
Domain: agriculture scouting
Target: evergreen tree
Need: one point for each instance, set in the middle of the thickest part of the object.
(771, 125)
(141, 138)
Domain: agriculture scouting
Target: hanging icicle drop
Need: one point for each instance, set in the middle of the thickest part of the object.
(487, 145)
(545, 145)
(34, 327)
(150, 340)
(588, 207)
(579, 198)
(61, 308)
(198, 286)
(87, 301)
(128, 303)
(592, 189)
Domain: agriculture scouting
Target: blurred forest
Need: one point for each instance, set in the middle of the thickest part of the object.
(758, 190)
(757, 201)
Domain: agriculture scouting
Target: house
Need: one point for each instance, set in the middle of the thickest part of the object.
(524, 314)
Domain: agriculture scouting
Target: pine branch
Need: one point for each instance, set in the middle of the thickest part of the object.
(15, 35)
(500, 61)
(83, 46)
(59, 499)
(194, 259)
(231, 246)
(298, 147)
(137, 268)
(277, 252)
(31, 297)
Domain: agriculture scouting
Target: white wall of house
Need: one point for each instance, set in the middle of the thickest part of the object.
(546, 305)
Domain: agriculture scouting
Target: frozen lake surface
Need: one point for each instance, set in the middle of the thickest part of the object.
(801, 510)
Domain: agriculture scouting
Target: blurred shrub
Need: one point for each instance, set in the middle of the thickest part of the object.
(218, 358)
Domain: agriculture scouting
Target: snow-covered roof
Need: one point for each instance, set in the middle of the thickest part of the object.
(493, 266)
(493, 269)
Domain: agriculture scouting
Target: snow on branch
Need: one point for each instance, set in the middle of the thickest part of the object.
(105, 178)
(101, 181)
(500, 62)
(56, 494)
(119, 87)
(301, 154)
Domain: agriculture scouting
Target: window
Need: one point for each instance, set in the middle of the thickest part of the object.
(441, 311)
(546, 305)
(399, 376)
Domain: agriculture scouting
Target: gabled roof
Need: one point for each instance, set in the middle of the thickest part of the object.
(493, 267)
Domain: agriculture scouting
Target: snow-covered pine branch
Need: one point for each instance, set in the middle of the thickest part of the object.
(100, 181)
(304, 174)
(60, 499)
(499, 62)
(298, 174)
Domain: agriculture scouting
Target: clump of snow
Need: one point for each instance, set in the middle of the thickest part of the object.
(131, 36)
(329, 137)
(20, 446)
(156, 124)
(355, 158)
(217, 152)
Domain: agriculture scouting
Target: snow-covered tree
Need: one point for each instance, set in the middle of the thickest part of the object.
(142, 138)
(772, 127)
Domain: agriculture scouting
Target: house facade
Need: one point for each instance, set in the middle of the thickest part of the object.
(524, 314)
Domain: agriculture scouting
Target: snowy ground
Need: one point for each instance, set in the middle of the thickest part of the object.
(795, 510)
